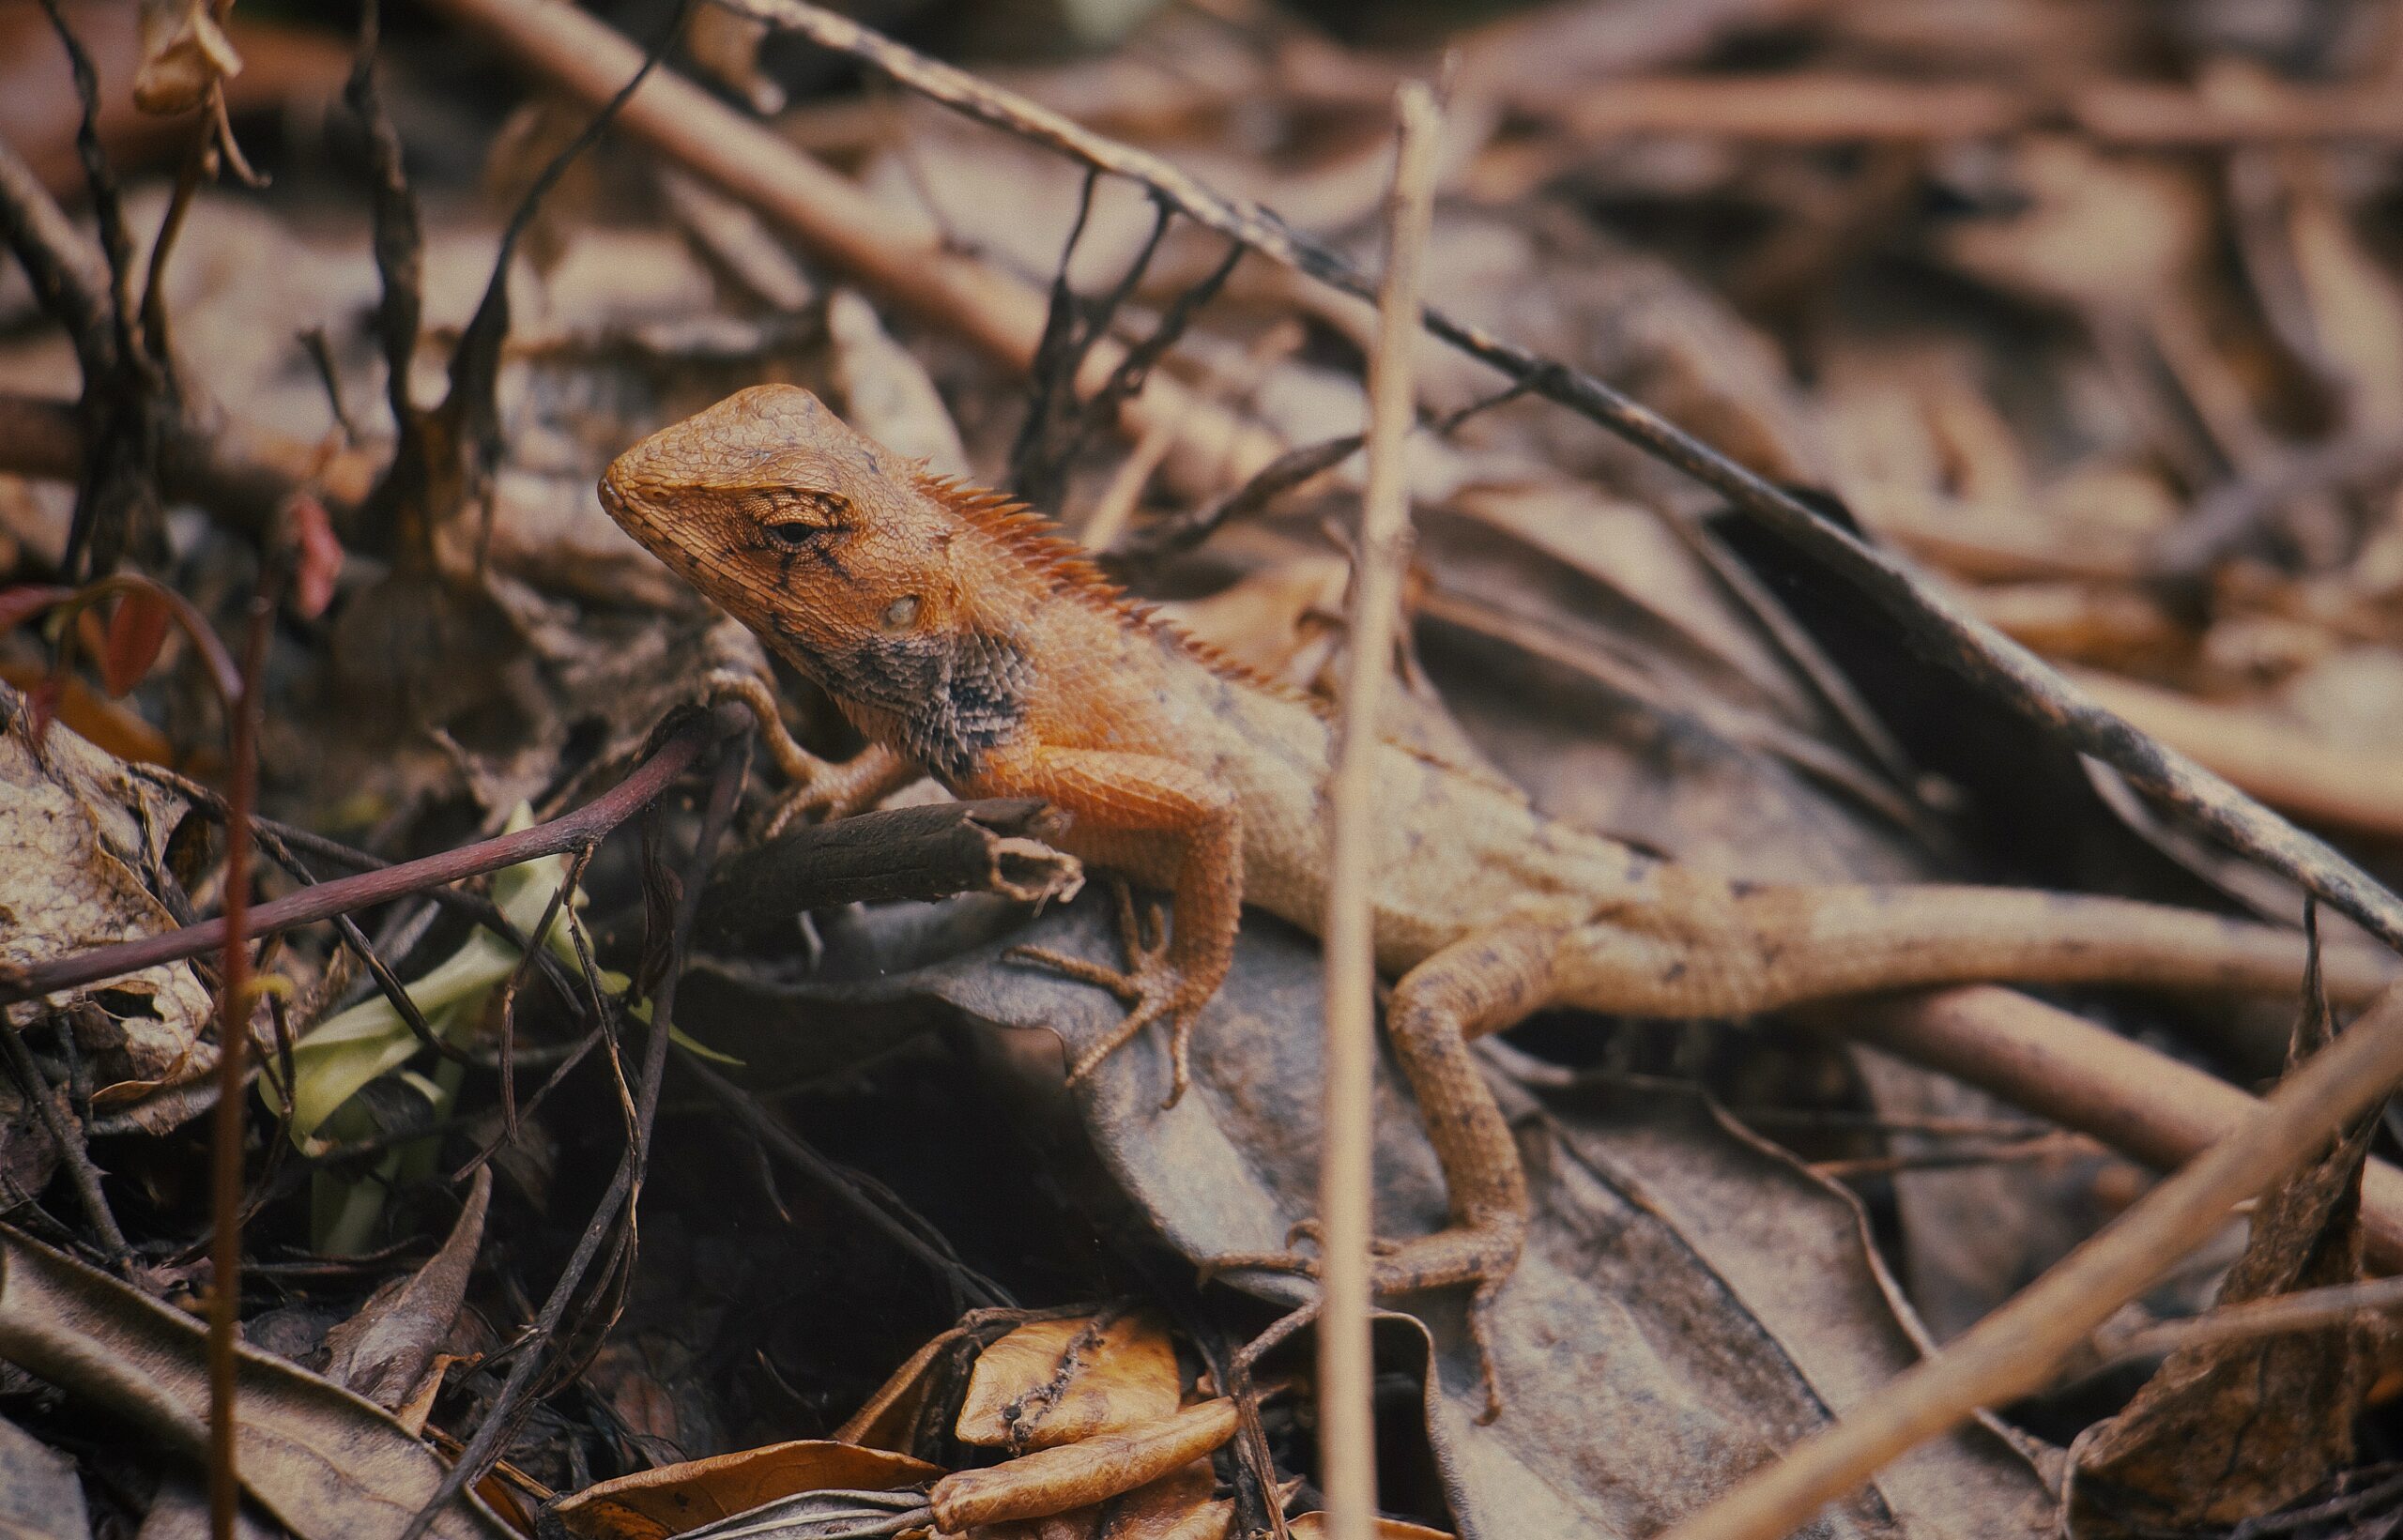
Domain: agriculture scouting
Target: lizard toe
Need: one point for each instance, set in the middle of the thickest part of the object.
(1119, 981)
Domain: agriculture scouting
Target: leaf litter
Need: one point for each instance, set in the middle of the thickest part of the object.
(2117, 367)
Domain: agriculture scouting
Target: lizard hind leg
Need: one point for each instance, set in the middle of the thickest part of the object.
(1476, 985)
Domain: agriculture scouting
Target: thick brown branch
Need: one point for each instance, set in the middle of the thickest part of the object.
(905, 853)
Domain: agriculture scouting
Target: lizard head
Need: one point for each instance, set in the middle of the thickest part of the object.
(844, 557)
(815, 535)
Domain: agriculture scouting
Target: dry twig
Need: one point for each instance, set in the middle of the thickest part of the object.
(2016, 1350)
(1347, 1449)
(233, 1039)
(2307, 1310)
(2142, 1102)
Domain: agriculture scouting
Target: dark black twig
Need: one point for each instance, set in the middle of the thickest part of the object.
(536, 943)
(1169, 538)
(576, 1055)
(395, 993)
(1174, 536)
(1046, 442)
(314, 343)
(473, 410)
(1127, 380)
(72, 1152)
(108, 208)
(625, 1185)
(153, 331)
(125, 408)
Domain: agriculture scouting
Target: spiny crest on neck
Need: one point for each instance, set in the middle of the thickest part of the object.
(1037, 541)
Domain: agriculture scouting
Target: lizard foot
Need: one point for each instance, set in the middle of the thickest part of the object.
(1152, 989)
(1484, 1258)
(837, 789)
(818, 791)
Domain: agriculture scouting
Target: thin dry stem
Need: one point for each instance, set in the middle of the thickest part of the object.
(1347, 1447)
(2017, 1348)
(2309, 1310)
(233, 1037)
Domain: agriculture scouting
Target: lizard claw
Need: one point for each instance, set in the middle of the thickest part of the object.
(1152, 988)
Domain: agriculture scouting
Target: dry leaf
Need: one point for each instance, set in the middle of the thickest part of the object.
(137, 630)
(40, 1497)
(2113, 233)
(185, 54)
(890, 1417)
(326, 1464)
(2270, 1418)
(1052, 1382)
(384, 1350)
(886, 391)
(677, 1498)
(79, 836)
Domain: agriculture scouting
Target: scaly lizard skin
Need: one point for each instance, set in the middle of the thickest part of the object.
(961, 633)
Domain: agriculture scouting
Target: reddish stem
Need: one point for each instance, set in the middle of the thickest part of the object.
(327, 899)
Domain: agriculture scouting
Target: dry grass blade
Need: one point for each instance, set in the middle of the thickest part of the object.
(1347, 1449)
(2015, 1350)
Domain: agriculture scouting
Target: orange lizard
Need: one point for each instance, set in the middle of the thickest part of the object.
(961, 633)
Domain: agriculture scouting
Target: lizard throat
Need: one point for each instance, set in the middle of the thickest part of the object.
(945, 700)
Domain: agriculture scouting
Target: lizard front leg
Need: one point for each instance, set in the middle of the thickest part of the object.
(1479, 985)
(815, 788)
(1156, 821)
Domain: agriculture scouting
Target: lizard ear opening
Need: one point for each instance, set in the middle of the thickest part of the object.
(902, 612)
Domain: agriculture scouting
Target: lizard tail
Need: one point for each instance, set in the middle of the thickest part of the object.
(1762, 949)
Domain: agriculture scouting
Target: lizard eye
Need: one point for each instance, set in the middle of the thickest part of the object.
(792, 517)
